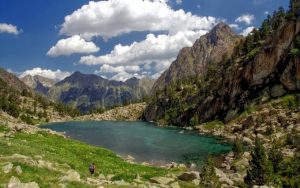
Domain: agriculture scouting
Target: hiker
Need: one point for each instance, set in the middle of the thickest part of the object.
(92, 168)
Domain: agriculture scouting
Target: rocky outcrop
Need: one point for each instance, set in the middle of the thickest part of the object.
(272, 122)
(14, 182)
(38, 83)
(272, 72)
(12, 81)
(132, 112)
(210, 48)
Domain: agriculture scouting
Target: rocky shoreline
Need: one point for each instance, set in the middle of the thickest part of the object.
(270, 123)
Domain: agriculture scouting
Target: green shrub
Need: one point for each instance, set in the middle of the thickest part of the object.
(295, 52)
(194, 120)
(216, 124)
(238, 147)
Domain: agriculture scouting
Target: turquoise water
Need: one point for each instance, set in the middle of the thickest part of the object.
(144, 141)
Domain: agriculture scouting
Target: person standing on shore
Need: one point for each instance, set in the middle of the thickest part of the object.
(92, 168)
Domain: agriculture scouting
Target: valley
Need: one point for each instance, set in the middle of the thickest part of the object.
(228, 104)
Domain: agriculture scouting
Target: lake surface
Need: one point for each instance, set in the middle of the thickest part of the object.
(144, 141)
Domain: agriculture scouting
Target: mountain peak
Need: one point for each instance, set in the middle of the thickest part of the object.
(220, 32)
(221, 27)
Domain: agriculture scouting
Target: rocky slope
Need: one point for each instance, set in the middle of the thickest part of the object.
(276, 124)
(132, 112)
(12, 81)
(88, 92)
(191, 61)
(38, 83)
(22, 103)
(267, 69)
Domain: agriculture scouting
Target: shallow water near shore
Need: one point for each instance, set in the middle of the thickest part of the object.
(144, 141)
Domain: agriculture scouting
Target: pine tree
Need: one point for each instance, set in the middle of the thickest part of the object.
(260, 168)
(276, 158)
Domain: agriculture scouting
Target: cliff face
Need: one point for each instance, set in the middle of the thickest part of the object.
(272, 71)
(194, 60)
(38, 83)
(13, 81)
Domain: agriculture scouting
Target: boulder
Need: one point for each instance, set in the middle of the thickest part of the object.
(19, 170)
(13, 182)
(29, 185)
(16, 183)
(223, 177)
(175, 185)
(196, 182)
(162, 180)
(247, 141)
(71, 175)
(7, 168)
(277, 91)
(189, 176)
(109, 176)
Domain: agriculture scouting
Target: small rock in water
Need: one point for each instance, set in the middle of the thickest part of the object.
(7, 168)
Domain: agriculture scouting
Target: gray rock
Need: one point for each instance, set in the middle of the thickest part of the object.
(247, 141)
(223, 177)
(189, 176)
(29, 185)
(277, 91)
(196, 182)
(7, 168)
(175, 185)
(16, 183)
(72, 175)
(101, 177)
(19, 170)
(109, 176)
(13, 182)
(162, 180)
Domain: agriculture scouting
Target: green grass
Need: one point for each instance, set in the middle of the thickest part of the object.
(216, 124)
(290, 101)
(77, 155)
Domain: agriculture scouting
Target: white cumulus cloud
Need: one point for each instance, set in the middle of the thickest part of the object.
(74, 44)
(153, 48)
(116, 17)
(247, 31)
(9, 28)
(47, 73)
(234, 26)
(245, 18)
(118, 69)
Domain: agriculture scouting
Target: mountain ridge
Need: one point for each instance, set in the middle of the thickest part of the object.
(194, 60)
(265, 68)
(91, 92)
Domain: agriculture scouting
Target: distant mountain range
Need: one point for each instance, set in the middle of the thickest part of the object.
(89, 91)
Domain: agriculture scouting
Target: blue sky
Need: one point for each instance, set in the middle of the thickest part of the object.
(29, 29)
